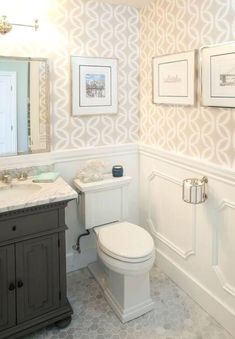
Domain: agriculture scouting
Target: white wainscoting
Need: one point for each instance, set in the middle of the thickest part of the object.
(194, 243)
(67, 163)
(162, 188)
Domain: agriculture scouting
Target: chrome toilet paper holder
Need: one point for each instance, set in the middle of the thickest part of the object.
(194, 190)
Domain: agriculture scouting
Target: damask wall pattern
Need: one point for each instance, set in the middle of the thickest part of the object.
(94, 29)
(169, 26)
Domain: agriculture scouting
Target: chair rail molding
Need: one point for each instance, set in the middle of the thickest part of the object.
(185, 254)
(53, 157)
(219, 173)
(223, 207)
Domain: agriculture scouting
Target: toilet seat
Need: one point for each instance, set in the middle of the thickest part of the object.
(125, 267)
(125, 242)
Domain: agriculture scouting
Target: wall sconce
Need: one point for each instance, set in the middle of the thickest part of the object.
(6, 26)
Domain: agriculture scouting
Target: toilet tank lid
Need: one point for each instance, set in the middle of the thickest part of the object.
(102, 184)
(125, 240)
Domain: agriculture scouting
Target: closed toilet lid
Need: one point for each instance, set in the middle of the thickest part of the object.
(125, 241)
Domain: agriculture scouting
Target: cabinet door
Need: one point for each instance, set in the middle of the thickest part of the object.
(37, 277)
(7, 287)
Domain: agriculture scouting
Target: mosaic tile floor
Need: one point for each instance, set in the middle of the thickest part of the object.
(176, 315)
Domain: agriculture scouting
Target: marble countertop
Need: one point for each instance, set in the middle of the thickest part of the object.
(28, 194)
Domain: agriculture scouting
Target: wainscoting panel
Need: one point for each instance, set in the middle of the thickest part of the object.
(177, 228)
(223, 245)
(194, 243)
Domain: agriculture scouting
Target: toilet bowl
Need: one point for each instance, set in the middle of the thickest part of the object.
(125, 248)
(125, 251)
(126, 255)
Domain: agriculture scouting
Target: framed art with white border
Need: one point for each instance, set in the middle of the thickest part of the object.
(218, 75)
(174, 78)
(94, 86)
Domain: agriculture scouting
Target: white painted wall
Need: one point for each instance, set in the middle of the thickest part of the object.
(194, 244)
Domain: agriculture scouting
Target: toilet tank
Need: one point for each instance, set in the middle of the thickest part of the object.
(103, 202)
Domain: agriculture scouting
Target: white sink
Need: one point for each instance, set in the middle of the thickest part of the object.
(18, 191)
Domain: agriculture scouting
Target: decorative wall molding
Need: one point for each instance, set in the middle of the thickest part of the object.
(183, 253)
(199, 166)
(206, 276)
(215, 256)
(213, 304)
(86, 153)
(226, 204)
(226, 286)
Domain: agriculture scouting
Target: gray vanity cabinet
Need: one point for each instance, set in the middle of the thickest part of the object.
(37, 277)
(7, 287)
(33, 270)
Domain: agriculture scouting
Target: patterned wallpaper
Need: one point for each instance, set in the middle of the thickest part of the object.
(86, 28)
(93, 28)
(169, 26)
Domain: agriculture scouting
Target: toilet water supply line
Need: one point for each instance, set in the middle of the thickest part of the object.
(77, 246)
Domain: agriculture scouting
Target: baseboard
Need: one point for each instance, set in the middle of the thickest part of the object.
(209, 302)
(75, 261)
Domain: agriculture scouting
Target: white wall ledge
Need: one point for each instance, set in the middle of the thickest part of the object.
(53, 157)
(202, 167)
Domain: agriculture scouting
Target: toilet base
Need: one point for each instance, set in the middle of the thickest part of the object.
(129, 296)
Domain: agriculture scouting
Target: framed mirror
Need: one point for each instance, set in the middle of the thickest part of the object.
(24, 106)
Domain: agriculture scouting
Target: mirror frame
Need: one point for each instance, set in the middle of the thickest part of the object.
(48, 105)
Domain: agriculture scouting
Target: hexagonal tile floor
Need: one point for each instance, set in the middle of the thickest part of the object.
(176, 315)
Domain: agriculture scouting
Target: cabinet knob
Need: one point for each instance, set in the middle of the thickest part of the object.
(14, 228)
(11, 287)
(20, 284)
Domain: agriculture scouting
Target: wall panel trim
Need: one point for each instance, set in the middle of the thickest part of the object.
(215, 255)
(200, 293)
(222, 174)
(54, 157)
(183, 253)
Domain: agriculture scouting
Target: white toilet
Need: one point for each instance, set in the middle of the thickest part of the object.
(125, 251)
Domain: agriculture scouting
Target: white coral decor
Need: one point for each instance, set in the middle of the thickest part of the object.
(92, 171)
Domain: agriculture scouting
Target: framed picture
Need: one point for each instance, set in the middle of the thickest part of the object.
(94, 86)
(218, 75)
(174, 79)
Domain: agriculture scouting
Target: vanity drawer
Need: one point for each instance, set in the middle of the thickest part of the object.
(27, 225)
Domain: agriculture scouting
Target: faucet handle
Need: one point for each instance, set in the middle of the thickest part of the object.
(22, 176)
(6, 178)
